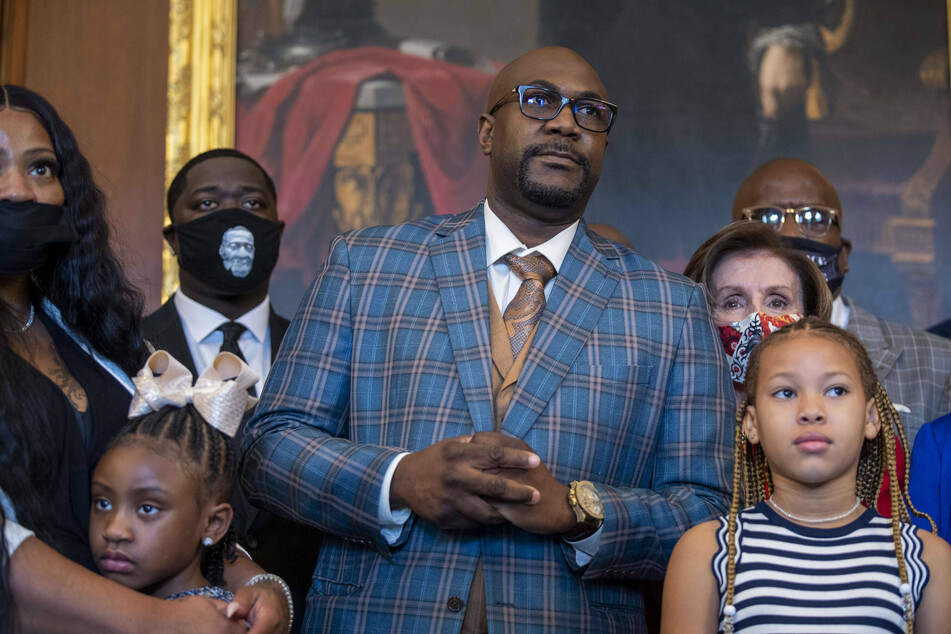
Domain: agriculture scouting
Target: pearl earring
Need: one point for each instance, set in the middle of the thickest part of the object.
(207, 542)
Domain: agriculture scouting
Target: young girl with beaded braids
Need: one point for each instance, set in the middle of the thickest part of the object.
(160, 516)
(814, 439)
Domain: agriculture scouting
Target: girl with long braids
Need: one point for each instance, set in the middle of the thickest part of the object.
(802, 549)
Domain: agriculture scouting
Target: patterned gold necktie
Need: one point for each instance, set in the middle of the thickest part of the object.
(525, 310)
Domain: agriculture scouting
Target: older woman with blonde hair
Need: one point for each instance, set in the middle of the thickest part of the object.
(755, 286)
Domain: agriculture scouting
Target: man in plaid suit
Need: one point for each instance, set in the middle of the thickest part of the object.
(913, 366)
(398, 419)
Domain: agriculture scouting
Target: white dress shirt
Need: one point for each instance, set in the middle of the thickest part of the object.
(201, 324)
(499, 241)
(840, 313)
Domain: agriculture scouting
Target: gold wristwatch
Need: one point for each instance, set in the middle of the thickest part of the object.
(584, 500)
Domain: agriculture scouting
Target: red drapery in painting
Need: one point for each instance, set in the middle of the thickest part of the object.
(295, 127)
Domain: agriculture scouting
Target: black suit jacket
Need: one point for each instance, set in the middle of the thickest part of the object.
(278, 545)
(164, 330)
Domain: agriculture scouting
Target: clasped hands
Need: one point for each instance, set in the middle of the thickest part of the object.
(486, 478)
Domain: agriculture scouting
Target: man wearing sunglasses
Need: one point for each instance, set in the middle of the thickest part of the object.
(795, 198)
(502, 420)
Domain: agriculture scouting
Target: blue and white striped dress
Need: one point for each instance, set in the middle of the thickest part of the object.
(797, 579)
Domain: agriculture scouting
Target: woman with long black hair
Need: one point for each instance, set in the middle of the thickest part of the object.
(69, 340)
(69, 324)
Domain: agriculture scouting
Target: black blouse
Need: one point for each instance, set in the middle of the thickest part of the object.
(78, 439)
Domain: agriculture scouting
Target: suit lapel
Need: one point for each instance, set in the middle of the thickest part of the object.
(865, 326)
(584, 285)
(458, 256)
(169, 334)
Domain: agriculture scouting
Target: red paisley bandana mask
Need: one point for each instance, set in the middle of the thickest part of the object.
(740, 337)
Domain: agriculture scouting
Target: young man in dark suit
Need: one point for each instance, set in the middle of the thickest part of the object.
(223, 208)
(226, 234)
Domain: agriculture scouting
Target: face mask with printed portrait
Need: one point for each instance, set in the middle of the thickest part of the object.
(232, 251)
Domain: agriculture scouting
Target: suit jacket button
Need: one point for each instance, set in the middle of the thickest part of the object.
(251, 542)
(454, 604)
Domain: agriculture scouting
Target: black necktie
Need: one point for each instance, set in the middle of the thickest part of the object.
(231, 331)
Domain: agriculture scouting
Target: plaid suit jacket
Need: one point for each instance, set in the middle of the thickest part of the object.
(913, 366)
(625, 385)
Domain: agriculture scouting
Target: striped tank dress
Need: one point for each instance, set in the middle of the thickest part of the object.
(798, 579)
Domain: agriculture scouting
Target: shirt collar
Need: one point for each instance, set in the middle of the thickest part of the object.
(199, 321)
(840, 313)
(499, 240)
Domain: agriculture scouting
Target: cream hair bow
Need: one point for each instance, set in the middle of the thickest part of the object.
(220, 400)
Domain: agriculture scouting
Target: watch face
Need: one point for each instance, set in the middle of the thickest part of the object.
(589, 500)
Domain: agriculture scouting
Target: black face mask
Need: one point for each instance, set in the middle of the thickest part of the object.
(29, 232)
(232, 250)
(826, 257)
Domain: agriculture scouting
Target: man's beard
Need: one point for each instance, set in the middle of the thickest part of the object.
(548, 195)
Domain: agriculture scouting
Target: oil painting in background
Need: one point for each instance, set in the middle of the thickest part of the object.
(365, 113)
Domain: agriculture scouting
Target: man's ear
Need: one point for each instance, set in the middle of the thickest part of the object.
(486, 129)
(844, 255)
(750, 426)
(217, 521)
(874, 422)
(168, 232)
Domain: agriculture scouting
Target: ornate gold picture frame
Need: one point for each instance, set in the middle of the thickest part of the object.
(201, 115)
(202, 43)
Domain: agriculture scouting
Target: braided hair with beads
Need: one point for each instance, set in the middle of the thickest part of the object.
(753, 480)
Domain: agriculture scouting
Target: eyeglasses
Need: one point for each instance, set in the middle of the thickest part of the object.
(544, 104)
(814, 221)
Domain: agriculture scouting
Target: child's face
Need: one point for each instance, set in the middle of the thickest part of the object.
(811, 416)
(146, 525)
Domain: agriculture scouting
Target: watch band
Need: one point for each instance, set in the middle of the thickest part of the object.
(587, 508)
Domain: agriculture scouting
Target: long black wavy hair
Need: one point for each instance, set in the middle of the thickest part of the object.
(85, 282)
